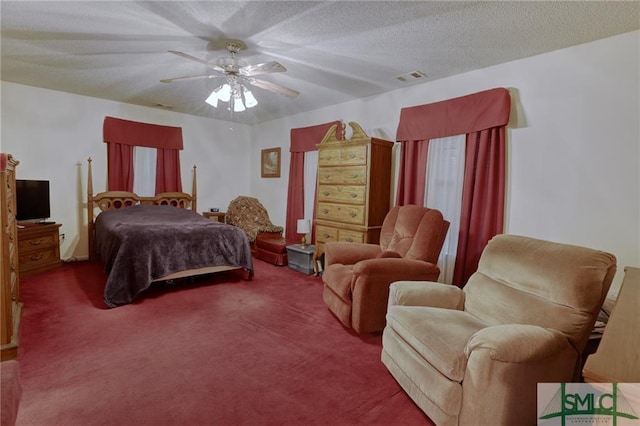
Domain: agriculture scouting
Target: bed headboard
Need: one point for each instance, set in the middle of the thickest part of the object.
(120, 199)
(110, 200)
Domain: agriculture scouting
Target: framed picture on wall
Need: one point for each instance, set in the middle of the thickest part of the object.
(270, 163)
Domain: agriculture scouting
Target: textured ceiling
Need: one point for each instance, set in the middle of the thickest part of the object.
(333, 51)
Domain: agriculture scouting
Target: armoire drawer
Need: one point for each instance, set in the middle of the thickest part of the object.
(341, 213)
(348, 236)
(348, 155)
(328, 234)
(350, 194)
(347, 175)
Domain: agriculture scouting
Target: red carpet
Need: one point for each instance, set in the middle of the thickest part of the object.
(220, 351)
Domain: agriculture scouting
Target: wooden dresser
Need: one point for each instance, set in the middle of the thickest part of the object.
(38, 248)
(10, 283)
(354, 188)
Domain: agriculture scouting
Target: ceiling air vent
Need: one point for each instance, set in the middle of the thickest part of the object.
(411, 77)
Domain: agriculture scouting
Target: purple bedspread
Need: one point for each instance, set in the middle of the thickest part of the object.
(142, 243)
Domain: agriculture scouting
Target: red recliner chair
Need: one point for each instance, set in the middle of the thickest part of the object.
(357, 276)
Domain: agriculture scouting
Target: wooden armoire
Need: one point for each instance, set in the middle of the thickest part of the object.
(9, 279)
(354, 188)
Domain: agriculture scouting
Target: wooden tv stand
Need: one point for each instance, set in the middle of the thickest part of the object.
(38, 248)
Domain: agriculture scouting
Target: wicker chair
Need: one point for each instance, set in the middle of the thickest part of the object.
(267, 243)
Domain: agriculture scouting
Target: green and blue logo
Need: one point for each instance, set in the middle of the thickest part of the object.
(588, 403)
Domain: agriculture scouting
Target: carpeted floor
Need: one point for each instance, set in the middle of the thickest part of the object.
(217, 351)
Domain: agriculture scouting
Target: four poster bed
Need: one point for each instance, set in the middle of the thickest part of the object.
(142, 240)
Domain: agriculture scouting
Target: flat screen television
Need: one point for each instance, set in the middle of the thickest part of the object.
(32, 200)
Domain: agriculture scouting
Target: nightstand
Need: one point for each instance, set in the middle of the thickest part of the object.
(38, 248)
(301, 258)
(215, 216)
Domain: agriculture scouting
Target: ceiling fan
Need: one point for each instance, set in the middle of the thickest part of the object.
(238, 71)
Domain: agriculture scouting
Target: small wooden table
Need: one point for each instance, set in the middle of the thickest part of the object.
(215, 216)
(38, 248)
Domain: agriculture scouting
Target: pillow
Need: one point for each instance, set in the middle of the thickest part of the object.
(386, 254)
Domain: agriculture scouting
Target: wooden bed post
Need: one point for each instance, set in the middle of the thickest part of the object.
(194, 191)
(92, 252)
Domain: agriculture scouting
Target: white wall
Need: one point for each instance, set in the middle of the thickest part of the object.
(574, 145)
(53, 133)
(574, 140)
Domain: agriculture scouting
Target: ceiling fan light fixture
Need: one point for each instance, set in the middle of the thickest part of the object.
(238, 106)
(238, 74)
(224, 92)
(213, 99)
(239, 97)
(249, 100)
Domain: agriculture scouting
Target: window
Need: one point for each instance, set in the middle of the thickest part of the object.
(445, 174)
(144, 167)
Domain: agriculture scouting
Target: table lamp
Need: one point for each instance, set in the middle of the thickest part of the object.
(304, 227)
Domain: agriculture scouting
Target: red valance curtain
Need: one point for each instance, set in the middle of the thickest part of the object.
(126, 132)
(302, 140)
(482, 117)
(122, 135)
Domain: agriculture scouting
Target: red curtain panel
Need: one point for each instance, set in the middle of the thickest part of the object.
(483, 117)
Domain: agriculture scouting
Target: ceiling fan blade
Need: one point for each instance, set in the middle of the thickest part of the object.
(195, 77)
(265, 68)
(198, 60)
(272, 87)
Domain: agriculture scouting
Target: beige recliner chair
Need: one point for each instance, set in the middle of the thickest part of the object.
(475, 356)
(617, 359)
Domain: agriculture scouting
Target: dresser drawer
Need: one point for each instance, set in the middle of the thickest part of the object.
(341, 213)
(48, 240)
(349, 236)
(35, 259)
(329, 157)
(342, 194)
(326, 234)
(354, 175)
(329, 234)
(352, 155)
(348, 155)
